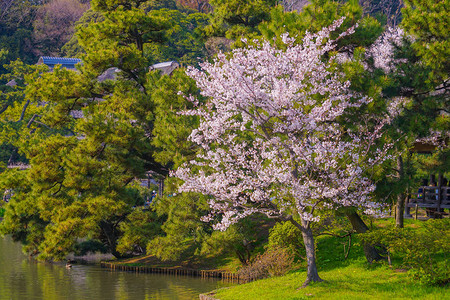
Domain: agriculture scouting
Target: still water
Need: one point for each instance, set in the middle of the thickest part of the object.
(22, 278)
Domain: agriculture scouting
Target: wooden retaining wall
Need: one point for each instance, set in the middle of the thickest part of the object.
(174, 271)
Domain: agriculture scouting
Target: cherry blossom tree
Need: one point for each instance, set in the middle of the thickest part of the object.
(271, 138)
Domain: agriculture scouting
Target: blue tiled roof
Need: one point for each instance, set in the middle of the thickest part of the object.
(64, 61)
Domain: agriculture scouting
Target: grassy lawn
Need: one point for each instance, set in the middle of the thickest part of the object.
(352, 279)
(355, 281)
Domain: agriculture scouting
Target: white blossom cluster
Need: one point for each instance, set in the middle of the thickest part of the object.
(270, 137)
(436, 138)
(382, 51)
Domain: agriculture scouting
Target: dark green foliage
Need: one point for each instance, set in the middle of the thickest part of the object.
(243, 239)
(29, 29)
(16, 28)
(286, 235)
(171, 130)
(15, 110)
(79, 183)
(237, 18)
(72, 48)
(138, 229)
(428, 22)
(183, 230)
(185, 235)
(319, 14)
(425, 252)
(183, 39)
(21, 212)
(90, 246)
(422, 79)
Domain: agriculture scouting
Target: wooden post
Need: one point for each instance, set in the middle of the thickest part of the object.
(398, 208)
(417, 208)
(147, 198)
(440, 184)
(161, 187)
(407, 208)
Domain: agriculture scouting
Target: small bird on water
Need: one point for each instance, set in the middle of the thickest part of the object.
(68, 265)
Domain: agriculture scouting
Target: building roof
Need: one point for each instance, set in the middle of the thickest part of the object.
(109, 74)
(77, 114)
(11, 83)
(165, 67)
(65, 62)
(164, 64)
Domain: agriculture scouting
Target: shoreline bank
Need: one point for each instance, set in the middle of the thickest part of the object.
(233, 277)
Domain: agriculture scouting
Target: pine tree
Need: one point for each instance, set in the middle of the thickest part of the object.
(79, 184)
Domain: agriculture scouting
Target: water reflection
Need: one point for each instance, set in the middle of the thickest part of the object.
(22, 278)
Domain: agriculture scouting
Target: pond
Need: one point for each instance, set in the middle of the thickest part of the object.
(23, 278)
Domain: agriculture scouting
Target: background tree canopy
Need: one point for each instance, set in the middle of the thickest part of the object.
(89, 135)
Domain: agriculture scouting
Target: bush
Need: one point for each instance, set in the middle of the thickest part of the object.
(424, 251)
(276, 261)
(244, 238)
(90, 246)
(286, 235)
(2, 212)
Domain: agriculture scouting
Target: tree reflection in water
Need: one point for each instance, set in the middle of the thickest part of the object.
(22, 278)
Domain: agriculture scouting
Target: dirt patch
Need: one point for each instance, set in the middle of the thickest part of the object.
(400, 270)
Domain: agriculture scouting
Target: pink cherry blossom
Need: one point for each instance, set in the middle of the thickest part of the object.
(270, 134)
(272, 139)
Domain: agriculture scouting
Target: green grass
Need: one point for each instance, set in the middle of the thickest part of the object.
(355, 281)
(352, 279)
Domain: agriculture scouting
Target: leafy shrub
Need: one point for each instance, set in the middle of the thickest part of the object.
(2, 212)
(424, 251)
(286, 235)
(90, 246)
(274, 262)
(137, 230)
(171, 247)
(244, 239)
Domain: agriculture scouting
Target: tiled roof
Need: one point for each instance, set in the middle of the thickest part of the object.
(77, 114)
(11, 83)
(109, 74)
(64, 61)
(165, 67)
(164, 64)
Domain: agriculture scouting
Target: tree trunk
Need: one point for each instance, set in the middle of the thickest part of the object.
(400, 197)
(312, 274)
(308, 240)
(407, 208)
(110, 238)
(359, 226)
